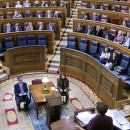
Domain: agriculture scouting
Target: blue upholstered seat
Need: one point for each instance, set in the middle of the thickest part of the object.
(111, 50)
(31, 40)
(22, 41)
(1, 50)
(42, 40)
(72, 42)
(83, 46)
(8, 41)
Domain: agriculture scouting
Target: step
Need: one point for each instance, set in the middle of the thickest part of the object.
(75, 10)
(54, 65)
(79, 6)
(56, 59)
(1, 71)
(52, 70)
(69, 30)
(57, 52)
(58, 48)
(63, 44)
(65, 34)
(64, 38)
(3, 76)
(70, 23)
(71, 20)
(75, 13)
(74, 16)
(70, 26)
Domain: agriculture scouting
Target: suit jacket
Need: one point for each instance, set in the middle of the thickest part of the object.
(121, 40)
(17, 90)
(43, 28)
(99, 34)
(5, 30)
(36, 5)
(51, 15)
(53, 28)
(91, 31)
(109, 36)
(28, 5)
(115, 61)
(28, 14)
(63, 4)
(79, 30)
(95, 19)
(19, 29)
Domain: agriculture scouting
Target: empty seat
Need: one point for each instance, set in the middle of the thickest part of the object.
(94, 48)
(106, 6)
(22, 41)
(113, 32)
(10, 14)
(31, 40)
(72, 42)
(42, 40)
(104, 18)
(124, 9)
(1, 15)
(100, 51)
(83, 46)
(1, 50)
(111, 50)
(8, 41)
(84, 5)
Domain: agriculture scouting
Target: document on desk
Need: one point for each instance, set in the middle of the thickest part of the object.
(85, 117)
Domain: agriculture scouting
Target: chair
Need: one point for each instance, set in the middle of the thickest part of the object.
(118, 7)
(83, 46)
(22, 41)
(37, 81)
(39, 12)
(1, 15)
(124, 9)
(94, 48)
(106, 6)
(72, 42)
(113, 32)
(10, 14)
(8, 41)
(42, 40)
(100, 51)
(104, 18)
(84, 5)
(1, 51)
(111, 50)
(31, 40)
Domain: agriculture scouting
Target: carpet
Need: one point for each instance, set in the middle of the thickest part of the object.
(81, 96)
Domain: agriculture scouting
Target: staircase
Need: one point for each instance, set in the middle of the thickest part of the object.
(55, 62)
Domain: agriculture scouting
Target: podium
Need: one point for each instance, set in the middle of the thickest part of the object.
(53, 108)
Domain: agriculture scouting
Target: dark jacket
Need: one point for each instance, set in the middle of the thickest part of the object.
(79, 30)
(114, 61)
(5, 30)
(43, 27)
(91, 31)
(99, 34)
(19, 29)
(109, 36)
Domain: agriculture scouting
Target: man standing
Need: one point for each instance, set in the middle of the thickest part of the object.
(21, 94)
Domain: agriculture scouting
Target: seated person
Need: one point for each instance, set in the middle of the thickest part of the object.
(17, 28)
(18, 5)
(104, 56)
(53, 4)
(49, 14)
(7, 28)
(126, 42)
(1, 5)
(84, 16)
(29, 27)
(21, 94)
(28, 13)
(119, 38)
(36, 3)
(27, 4)
(100, 121)
(7, 5)
(114, 8)
(113, 61)
(62, 3)
(98, 31)
(57, 15)
(43, 4)
(124, 24)
(41, 26)
(17, 15)
(93, 6)
(63, 87)
(95, 17)
(107, 35)
(102, 8)
(39, 15)
(89, 30)
(79, 28)
(51, 27)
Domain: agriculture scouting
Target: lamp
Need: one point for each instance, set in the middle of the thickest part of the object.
(45, 90)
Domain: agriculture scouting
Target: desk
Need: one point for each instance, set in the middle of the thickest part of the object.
(66, 123)
(38, 97)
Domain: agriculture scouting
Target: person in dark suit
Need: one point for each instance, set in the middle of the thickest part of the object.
(28, 13)
(79, 28)
(89, 30)
(51, 27)
(36, 3)
(8, 28)
(63, 87)
(95, 17)
(49, 14)
(62, 3)
(53, 4)
(21, 93)
(41, 26)
(100, 121)
(98, 31)
(107, 35)
(39, 15)
(17, 28)
(7, 5)
(84, 16)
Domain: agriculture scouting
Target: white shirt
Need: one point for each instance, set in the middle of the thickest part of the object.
(127, 43)
(105, 55)
(18, 6)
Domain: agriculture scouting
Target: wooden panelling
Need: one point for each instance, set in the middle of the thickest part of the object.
(49, 36)
(117, 47)
(34, 22)
(110, 14)
(107, 85)
(25, 59)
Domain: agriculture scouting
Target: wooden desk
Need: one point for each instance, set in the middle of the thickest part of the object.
(66, 123)
(38, 97)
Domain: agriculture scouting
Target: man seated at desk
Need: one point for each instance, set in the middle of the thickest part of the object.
(21, 94)
(100, 121)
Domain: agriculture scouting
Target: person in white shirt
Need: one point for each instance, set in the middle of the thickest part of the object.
(104, 56)
(18, 5)
(127, 41)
